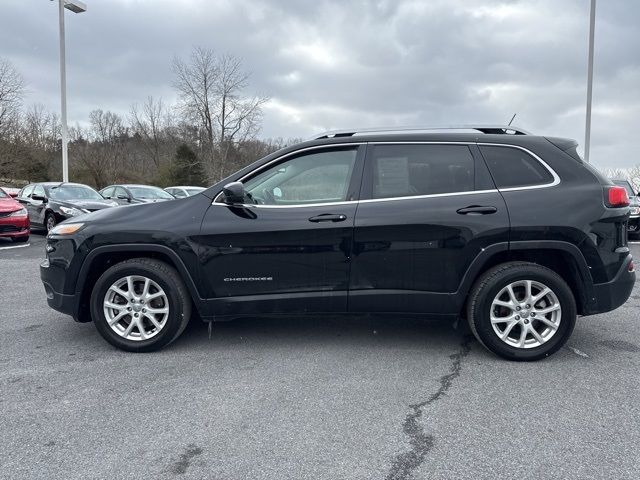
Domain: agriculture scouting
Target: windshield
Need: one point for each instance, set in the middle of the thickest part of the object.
(74, 192)
(149, 193)
(2, 194)
(627, 187)
(194, 191)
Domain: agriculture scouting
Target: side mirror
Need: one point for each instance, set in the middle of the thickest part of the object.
(39, 198)
(124, 197)
(233, 193)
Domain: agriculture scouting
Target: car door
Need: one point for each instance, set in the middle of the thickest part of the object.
(122, 196)
(288, 248)
(24, 197)
(36, 207)
(426, 212)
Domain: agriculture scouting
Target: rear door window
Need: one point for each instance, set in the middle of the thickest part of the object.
(419, 169)
(512, 167)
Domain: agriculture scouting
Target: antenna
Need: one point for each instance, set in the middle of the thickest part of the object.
(510, 121)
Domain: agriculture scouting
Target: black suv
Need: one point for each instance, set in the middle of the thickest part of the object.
(511, 231)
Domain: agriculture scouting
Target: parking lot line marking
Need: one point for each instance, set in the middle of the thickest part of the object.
(15, 246)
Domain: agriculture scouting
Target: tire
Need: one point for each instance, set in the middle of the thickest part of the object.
(553, 327)
(162, 278)
(49, 221)
(20, 239)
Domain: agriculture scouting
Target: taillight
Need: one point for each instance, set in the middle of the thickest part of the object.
(631, 267)
(617, 197)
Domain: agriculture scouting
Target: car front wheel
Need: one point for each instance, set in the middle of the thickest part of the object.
(50, 221)
(521, 311)
(140, 305)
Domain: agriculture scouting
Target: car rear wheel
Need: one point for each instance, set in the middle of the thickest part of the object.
(521, 311)
(140, 305)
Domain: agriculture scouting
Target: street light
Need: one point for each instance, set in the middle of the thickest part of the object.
(75, 6)
(587, 128)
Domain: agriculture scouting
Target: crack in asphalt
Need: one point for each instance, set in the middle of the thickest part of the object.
(421, 443)
(182, 464)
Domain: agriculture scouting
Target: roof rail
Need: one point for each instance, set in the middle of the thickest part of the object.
(487, 129)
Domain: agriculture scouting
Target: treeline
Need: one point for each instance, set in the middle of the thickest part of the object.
(209, 133)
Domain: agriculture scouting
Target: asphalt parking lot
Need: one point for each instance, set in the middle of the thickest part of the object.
(329, 398)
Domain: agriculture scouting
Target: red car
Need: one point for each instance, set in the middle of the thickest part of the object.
(14, 219)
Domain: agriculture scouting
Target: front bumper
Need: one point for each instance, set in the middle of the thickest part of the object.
(67, 304)
(611, 295)
(14, 227)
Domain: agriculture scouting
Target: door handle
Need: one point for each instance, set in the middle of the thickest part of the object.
(477, 210)
(328, 217)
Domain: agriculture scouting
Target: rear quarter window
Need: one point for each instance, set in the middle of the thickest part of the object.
(512, 167)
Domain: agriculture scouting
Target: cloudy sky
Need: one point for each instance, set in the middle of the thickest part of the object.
(337, 64)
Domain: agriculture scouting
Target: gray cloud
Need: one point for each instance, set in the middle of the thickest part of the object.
(334, 64)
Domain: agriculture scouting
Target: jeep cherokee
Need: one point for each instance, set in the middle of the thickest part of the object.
(513, 232)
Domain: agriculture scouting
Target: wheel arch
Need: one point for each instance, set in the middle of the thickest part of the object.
(101, 258)
(564, 258)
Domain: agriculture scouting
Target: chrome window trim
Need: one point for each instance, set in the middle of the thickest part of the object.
(253, 205)
(556, 178)
(432, 195)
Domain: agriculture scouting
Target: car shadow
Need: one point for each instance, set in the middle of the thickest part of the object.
(387, 331)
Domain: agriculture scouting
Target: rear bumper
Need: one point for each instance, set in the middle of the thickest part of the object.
(611, 295)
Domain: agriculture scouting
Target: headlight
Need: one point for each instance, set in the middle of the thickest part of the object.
(71, 211)
(66, 229)
(635, 210)
(19, 213)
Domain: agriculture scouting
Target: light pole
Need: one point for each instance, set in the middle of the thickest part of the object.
(75, 6)
(587, 129)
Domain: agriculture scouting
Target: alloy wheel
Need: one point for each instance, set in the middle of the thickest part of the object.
(136, 307)
(51, 222)
(525, 314)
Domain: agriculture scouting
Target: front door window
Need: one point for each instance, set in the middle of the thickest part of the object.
(311, 178)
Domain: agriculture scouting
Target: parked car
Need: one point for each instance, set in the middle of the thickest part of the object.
(12, 192)
(513, 232)
(633, 226)
(50, 203)
(182, 192)
(128, 194)
(14, 219)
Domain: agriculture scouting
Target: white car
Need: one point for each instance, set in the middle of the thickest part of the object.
(182, 192)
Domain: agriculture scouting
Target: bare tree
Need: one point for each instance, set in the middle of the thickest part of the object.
(634, 177)
(40, 128)
(101, 149)
(152, 123)
(211, 93)
(11, 92)
(239, 118)
(613, 173)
